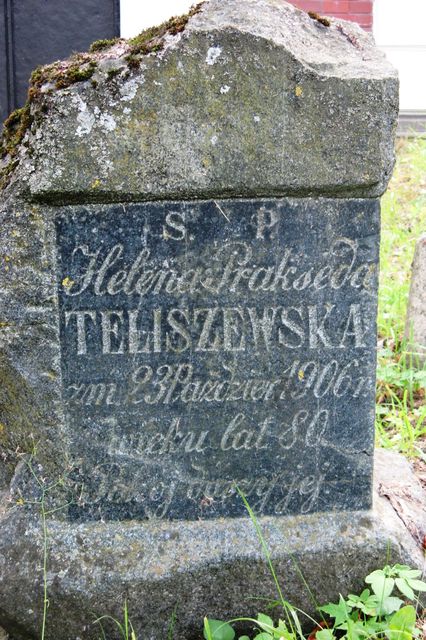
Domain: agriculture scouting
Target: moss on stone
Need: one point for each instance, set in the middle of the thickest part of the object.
(20, 412)
(321, 19)
(14, 129)
(112, 73)
(76, 73)
(78, 68)
(13, 133)
(100, 45)
(152, 39)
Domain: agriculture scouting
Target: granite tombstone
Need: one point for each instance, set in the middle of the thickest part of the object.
(190, 236)
(209, 345)
(415, 322)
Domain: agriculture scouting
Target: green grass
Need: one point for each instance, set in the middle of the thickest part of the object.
(403, 220)
(401, 411)
(378, 612)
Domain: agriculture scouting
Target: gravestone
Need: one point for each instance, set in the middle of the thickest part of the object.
(189, 298)
(415, 325)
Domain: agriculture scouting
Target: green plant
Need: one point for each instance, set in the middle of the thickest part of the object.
(43, 490)
(400, 385)
(376, 613)
(125, 627)
(173, 618)
(217, 630)
(397, 368)
(266, 629)
(400, 410)
(403, 214)
(400, 426)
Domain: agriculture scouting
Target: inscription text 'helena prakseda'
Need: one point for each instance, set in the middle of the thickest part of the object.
(213, 344)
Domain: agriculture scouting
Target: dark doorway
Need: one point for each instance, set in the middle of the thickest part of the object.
(34, 32)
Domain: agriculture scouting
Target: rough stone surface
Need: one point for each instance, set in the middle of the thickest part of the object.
(415, 326)
(252, 104)
(234, 89)
(202, 567)
(404, 491)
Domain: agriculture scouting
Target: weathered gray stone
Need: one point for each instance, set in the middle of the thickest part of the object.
(204, 568)
(415, 325)
(250, 105)
(235, 89)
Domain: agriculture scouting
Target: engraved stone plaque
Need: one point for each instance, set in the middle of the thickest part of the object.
(214, 344)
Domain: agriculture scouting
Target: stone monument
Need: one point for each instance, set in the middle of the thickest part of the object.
(415, 325)
(190, 227)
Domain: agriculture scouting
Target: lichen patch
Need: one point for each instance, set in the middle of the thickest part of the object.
(107, 122)
(213, 54)
(85, 118)
(128, 89)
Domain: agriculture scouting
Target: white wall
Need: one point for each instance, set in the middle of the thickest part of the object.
(400, 31)
(137, 15)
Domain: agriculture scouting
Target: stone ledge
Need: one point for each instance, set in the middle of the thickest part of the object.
(213, 565)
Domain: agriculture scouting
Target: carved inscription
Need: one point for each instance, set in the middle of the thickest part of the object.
(170, 384)
(209, 346)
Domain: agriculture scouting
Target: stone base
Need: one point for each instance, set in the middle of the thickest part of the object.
(202, 568)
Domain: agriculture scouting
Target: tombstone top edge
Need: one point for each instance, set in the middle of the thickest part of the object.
(329, 46)
(249, 99)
